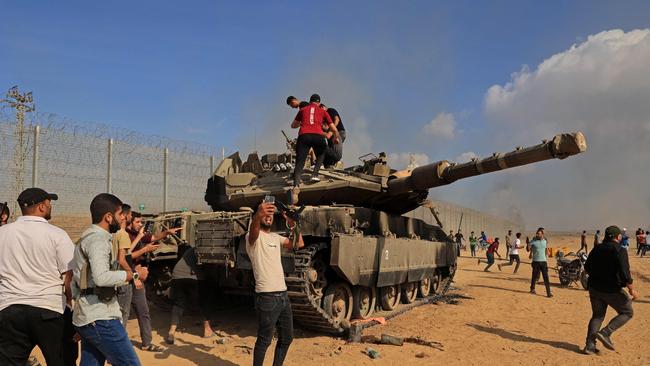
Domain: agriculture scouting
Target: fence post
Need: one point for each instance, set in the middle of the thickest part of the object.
(165, 180)
(109, 172)
(37, 138)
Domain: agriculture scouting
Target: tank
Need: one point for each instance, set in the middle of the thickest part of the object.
(374, 245)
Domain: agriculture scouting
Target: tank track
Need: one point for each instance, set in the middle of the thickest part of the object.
(306, 307)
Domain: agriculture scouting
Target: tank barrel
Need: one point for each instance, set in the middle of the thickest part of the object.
(441, 173)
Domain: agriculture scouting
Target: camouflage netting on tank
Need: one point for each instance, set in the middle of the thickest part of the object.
(73, 160)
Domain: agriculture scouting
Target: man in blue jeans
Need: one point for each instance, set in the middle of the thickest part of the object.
(97, 316)
(271, 300)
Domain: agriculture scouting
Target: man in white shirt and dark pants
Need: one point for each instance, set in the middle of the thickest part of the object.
(271, 300)
(35, 268)
(514, 253)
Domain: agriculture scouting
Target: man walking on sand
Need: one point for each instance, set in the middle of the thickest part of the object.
(538, 253)
(609, 272)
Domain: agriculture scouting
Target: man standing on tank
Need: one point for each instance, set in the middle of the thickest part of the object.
(312, 120)
(272, 305)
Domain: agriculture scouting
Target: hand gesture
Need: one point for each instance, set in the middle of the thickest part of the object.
(141, 232)
(265, 209)
(151, 247)
(142, 271)
(633, 294)
(173, 230)
(335, 140)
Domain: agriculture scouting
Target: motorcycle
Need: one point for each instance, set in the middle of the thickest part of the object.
(572, 270)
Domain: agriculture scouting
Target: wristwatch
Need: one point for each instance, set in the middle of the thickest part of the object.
(136, 276)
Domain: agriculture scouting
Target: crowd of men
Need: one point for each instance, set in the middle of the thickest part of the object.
(607, 266)
(55, 294)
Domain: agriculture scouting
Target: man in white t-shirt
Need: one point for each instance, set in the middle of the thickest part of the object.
(514, 253)
(35, 268)
(271, 300)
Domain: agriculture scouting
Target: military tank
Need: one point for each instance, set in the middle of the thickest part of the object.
(373, 242)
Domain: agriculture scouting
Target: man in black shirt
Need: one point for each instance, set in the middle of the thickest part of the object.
(334, 152)
(609, 271)
(293, 102)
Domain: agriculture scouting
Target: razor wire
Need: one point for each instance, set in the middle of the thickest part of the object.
(73, 161)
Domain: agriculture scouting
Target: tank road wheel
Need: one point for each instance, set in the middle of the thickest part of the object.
(316, 277)
(435, 282)
(389, 297)
(363, 300)
(409, 292)
(337, 301)
(424, 287)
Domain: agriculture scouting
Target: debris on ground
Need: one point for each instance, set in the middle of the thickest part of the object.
(389, 339)
(421, 355)
(372, 353)
(245, 349)
(422, 342)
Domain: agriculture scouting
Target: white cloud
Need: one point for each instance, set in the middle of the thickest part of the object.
(465, 157)
(601, 87)
(443, 125)
(402, 160)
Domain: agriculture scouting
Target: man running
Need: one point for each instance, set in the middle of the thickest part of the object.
(609, 272)
(493, 248)
(514, 254)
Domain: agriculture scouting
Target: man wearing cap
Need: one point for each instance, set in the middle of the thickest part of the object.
(609, 272)
(35, 272)
(311, 120)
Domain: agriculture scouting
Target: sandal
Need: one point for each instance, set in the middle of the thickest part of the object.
(153, 348)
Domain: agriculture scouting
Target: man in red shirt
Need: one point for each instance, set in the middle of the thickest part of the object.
(312, 120)
(493, 248)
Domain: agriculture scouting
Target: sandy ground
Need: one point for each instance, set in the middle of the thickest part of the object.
(498, 323)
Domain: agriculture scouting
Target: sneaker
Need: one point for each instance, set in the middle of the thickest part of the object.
(549, 295)
(605, 340)
(314, 179)
(152, 348)
(170, 339)
(590, 350)
(532, 291)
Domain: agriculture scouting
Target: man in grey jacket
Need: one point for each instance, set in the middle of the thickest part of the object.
(97, 316)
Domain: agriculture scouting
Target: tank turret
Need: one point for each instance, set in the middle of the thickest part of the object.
(373, 184)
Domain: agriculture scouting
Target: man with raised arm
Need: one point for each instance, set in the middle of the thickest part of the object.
(271, 300)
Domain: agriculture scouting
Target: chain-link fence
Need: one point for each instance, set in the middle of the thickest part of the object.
(78, 161)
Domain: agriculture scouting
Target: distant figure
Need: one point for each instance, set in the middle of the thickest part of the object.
(637, 234)
(473, 242)
(514, 254)
(609, 271)
(538, 253)
(508, 241)
(459, 242)
(646, 245)
(625, 239)
(596, 238)
(583, 242)
(4, 213)
(492, 249)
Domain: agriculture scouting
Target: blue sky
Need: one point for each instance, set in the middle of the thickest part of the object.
(214, 72)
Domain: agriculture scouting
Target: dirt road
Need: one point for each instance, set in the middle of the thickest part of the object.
(499, 323)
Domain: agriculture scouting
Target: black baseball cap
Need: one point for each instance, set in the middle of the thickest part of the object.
(612, 231)
(315, 98)
(32, 196)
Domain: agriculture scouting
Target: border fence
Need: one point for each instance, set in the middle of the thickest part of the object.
(78, 161)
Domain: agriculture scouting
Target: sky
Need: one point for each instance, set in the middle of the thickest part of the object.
(433, 80)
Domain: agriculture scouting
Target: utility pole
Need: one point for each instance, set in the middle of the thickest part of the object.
(22, 103)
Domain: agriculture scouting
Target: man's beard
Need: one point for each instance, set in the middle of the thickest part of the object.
(265, 226)
(113, 227)
(48, 215)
